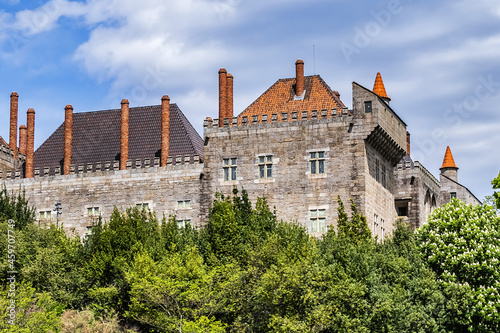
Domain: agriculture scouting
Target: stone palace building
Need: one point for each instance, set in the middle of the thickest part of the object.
(297, 144)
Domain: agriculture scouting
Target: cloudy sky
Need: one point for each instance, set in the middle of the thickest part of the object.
(439, 61)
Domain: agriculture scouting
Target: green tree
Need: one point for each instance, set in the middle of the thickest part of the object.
(356, 228)
(461, 243)
(496, 185)
(16, 208)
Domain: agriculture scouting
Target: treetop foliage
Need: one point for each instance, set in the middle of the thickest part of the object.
(245, 271)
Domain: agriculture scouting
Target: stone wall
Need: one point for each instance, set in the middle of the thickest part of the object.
(159, 187)
(8, 165)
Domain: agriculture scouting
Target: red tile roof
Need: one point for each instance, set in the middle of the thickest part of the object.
(448, 161)
(2, 142)
(379, 88)
(280, 97)
(96, 137)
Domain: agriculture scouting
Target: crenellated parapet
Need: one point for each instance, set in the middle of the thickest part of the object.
(336, 115)
(100, 168)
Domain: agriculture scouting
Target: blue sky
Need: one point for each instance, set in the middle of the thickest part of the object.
(438, 59)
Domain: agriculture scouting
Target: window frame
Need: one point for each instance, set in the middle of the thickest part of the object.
(265, 164)
(317, 220)
(317, 162)
(368, 106)
(229, 169)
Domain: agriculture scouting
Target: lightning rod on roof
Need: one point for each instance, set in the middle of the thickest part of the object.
(314, 61)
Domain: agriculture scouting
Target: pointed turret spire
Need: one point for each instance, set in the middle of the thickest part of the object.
(378, 87)
(448, 161)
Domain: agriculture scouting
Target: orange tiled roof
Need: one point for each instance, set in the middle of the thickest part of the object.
(448, 161)
(379, 88)
(280, 97)
(2, 142)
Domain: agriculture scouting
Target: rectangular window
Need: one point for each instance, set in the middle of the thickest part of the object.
(384, 182)
(375, 225)
(184, 204)
(368, 107)
(183, 223)
(93, 211)
(317, 220)
(143, 206)
(265, 166)
(229, 166)
(382, 229)
(45, 215)
(377, 170)
(317, 162)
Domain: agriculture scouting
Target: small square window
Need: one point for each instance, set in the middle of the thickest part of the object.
(143, 206)
(453, 195)
(93, 211)
(368, 107)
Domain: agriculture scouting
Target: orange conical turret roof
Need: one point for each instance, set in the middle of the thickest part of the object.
(448, 161)
(378, 87)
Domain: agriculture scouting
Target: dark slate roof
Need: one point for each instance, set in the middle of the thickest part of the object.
(96, 138)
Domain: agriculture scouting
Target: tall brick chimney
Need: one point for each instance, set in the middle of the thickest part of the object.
(408, 143)
(14, 103)
(23, 139)
(229, 97)
(165, 129)
(124, 135)
(299, 78)
(30, 145)
(68, 138)
(222, 95)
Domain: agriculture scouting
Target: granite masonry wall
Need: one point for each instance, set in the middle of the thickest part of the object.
(159, 187)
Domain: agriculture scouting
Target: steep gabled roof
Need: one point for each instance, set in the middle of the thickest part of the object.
(96, 137)
(280, 97)
(2, 142)
(448, 161)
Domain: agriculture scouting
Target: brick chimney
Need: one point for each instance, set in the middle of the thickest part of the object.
(299, 78)
(14, 99)
(124, 135)
(165, 129)
(23, 139)
(222, 96)
(229, 97)
(30, 145)
(408, 143)
(68, 138)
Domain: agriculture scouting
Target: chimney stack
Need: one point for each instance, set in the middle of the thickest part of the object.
(68, 138)
(229, 97)
(165, 129)
(124, 135)
(14, 99)
(299, 78)
(408, 143)
(30, 146)
(23, 138)
(222, 96)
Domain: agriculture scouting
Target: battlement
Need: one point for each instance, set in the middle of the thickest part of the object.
(108, 166)
(283, 118)
(405, 165)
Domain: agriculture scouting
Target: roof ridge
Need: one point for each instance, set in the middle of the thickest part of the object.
(188, 128)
